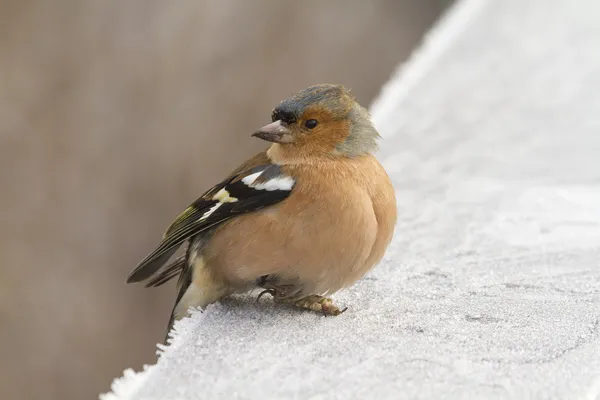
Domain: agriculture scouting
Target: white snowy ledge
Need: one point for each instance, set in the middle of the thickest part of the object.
(491, 288)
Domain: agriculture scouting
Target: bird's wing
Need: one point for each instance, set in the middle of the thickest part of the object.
(242, 192)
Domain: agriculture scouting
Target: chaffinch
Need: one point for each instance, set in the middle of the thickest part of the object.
(302, 220)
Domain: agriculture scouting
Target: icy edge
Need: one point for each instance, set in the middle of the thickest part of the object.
(127, 386)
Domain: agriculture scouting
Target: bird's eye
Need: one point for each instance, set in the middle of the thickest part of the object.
(311, 123)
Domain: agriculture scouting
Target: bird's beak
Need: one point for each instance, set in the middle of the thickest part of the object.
(274, 132)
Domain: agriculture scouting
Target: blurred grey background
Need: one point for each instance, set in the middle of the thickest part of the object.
(113, 117)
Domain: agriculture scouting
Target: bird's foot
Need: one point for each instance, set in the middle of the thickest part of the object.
(314, 303)
(286, 294)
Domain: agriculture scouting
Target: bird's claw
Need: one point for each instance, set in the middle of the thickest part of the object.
(332, 310)
(272, 292)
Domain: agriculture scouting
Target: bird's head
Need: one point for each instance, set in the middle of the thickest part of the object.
(320, 121)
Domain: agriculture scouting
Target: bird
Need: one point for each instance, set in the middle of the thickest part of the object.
(301, 220)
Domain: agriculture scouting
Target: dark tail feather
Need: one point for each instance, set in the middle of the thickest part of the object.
(167, 273)
(169, 327)
(147, 268)
(184, 282)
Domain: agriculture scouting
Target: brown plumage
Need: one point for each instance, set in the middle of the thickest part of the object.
(304, 219)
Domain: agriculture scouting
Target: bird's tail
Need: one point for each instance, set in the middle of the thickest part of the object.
(169, 327)
(183, 284)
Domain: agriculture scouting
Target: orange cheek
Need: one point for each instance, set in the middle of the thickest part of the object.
(332, 135)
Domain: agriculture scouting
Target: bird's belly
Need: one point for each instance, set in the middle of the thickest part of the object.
(319, 257)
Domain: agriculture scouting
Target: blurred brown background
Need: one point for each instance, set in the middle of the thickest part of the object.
(114, 115)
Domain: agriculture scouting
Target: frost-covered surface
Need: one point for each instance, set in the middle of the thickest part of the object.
(491, 288)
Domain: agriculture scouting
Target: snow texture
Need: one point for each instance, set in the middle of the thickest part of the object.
(491, 287)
